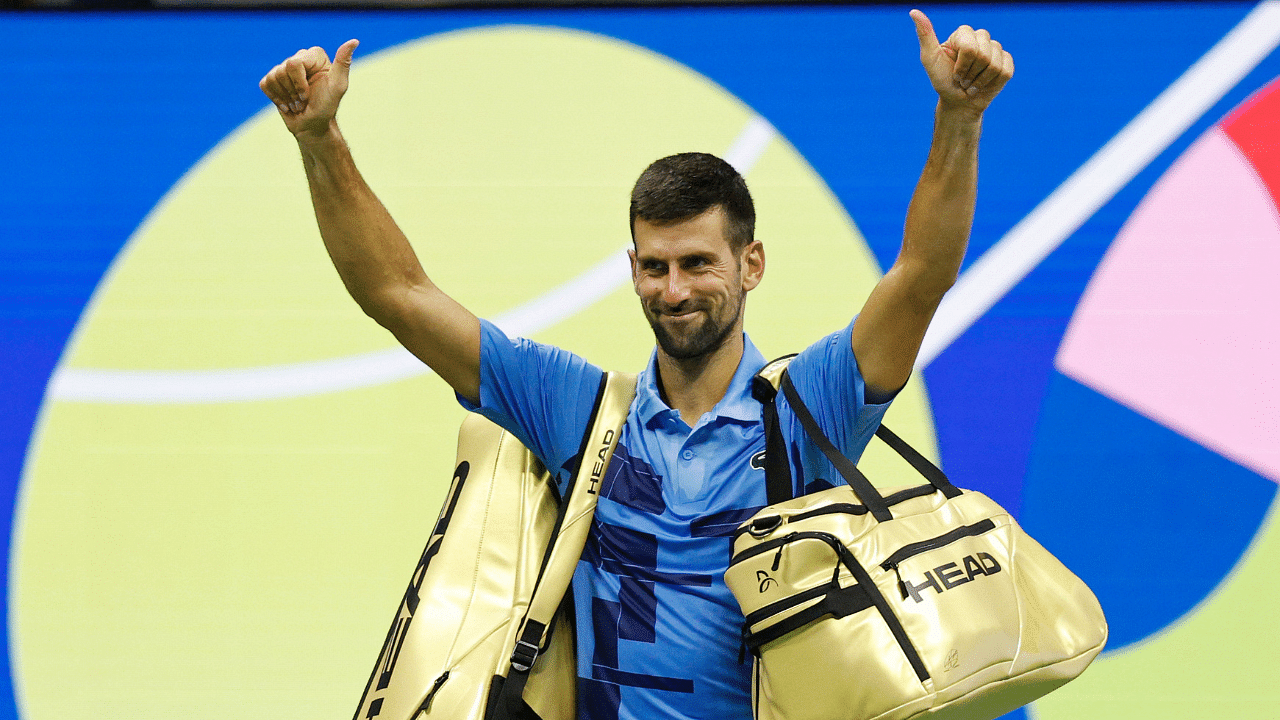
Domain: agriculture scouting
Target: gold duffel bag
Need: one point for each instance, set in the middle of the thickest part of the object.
(482, 630)
(922, 602)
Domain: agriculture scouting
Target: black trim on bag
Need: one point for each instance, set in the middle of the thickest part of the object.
(510, 703)
(495, 691)
(915, 548)
(907, 494)
(779, 483)
(838, 603)
(864, 580)
(891, 619)
(831, 509)
(856, 509)
(842, 552)
(787, 603)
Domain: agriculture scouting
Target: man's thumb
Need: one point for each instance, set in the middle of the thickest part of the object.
(924, 31)
(342, 58)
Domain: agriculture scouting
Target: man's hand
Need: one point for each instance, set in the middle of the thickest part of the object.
(307, 88)
(968, 70)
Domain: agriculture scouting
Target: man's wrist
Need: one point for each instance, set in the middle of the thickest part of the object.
(319, 140)
(958, 114)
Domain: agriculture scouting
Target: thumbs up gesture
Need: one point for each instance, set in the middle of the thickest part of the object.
(968, 70)
(307, 87)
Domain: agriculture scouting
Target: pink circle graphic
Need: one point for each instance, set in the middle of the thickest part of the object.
(1181, 321)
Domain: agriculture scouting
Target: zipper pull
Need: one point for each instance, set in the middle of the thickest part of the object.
(426, 702)
(778, 558)
(902, 587)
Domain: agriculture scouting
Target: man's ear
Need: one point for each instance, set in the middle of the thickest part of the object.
(752, 264)
(635, 277)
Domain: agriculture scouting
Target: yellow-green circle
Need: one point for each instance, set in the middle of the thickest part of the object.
(243, 559)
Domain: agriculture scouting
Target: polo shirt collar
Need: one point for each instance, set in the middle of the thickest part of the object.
(737, 403)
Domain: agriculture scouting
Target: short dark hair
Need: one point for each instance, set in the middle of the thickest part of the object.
(681, 187)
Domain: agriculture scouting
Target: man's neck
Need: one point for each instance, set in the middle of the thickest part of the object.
(694, 386)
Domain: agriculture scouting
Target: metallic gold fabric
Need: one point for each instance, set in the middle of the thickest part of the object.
(474, 587)
(996, 620)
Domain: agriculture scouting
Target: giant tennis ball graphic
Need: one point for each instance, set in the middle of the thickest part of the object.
(217, 552)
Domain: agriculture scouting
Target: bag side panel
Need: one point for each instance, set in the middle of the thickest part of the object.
(555, 670)
(1061, 616)
(846, 668)
(463, 622)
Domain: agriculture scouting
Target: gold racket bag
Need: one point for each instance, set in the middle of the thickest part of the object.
(925, 602)
(484, 629)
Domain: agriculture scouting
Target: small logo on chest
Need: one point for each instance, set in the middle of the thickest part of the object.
(757, 460)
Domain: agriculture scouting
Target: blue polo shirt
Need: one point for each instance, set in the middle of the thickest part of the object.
(658, 631)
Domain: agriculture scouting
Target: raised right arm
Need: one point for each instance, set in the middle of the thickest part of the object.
(371, 254)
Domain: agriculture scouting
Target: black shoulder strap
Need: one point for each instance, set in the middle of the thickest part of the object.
(778, 483)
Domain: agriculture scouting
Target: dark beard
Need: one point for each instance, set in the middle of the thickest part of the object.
(704, 340)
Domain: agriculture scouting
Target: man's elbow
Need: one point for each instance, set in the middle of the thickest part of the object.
(924, 283)
(389, 308)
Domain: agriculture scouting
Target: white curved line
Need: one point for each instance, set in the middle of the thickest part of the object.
(1093, 185)
(750, 145)
(309, 378)
(375, 368)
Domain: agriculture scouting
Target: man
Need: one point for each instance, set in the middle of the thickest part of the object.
(658, 632)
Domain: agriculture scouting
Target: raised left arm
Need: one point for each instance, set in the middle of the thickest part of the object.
(967, 71)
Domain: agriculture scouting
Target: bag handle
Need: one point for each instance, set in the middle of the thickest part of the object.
(573, 524)
(922, 464)
(778, 475)
(862, 487)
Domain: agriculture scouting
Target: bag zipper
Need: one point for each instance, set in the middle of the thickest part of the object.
(435, 687)
(908, 551)
(778, 543)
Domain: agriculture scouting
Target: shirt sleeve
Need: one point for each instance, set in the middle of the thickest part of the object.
(541, 394)
(827, 379)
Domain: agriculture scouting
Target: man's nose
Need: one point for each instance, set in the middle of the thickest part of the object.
(677, 288)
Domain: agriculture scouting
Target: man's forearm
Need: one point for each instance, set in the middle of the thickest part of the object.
(941, 212)
(371, 254)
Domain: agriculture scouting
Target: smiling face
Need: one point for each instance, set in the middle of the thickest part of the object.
(692, 285)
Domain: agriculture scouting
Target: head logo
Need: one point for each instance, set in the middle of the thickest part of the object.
(950, 575)
(602, 461)
(766, 582)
